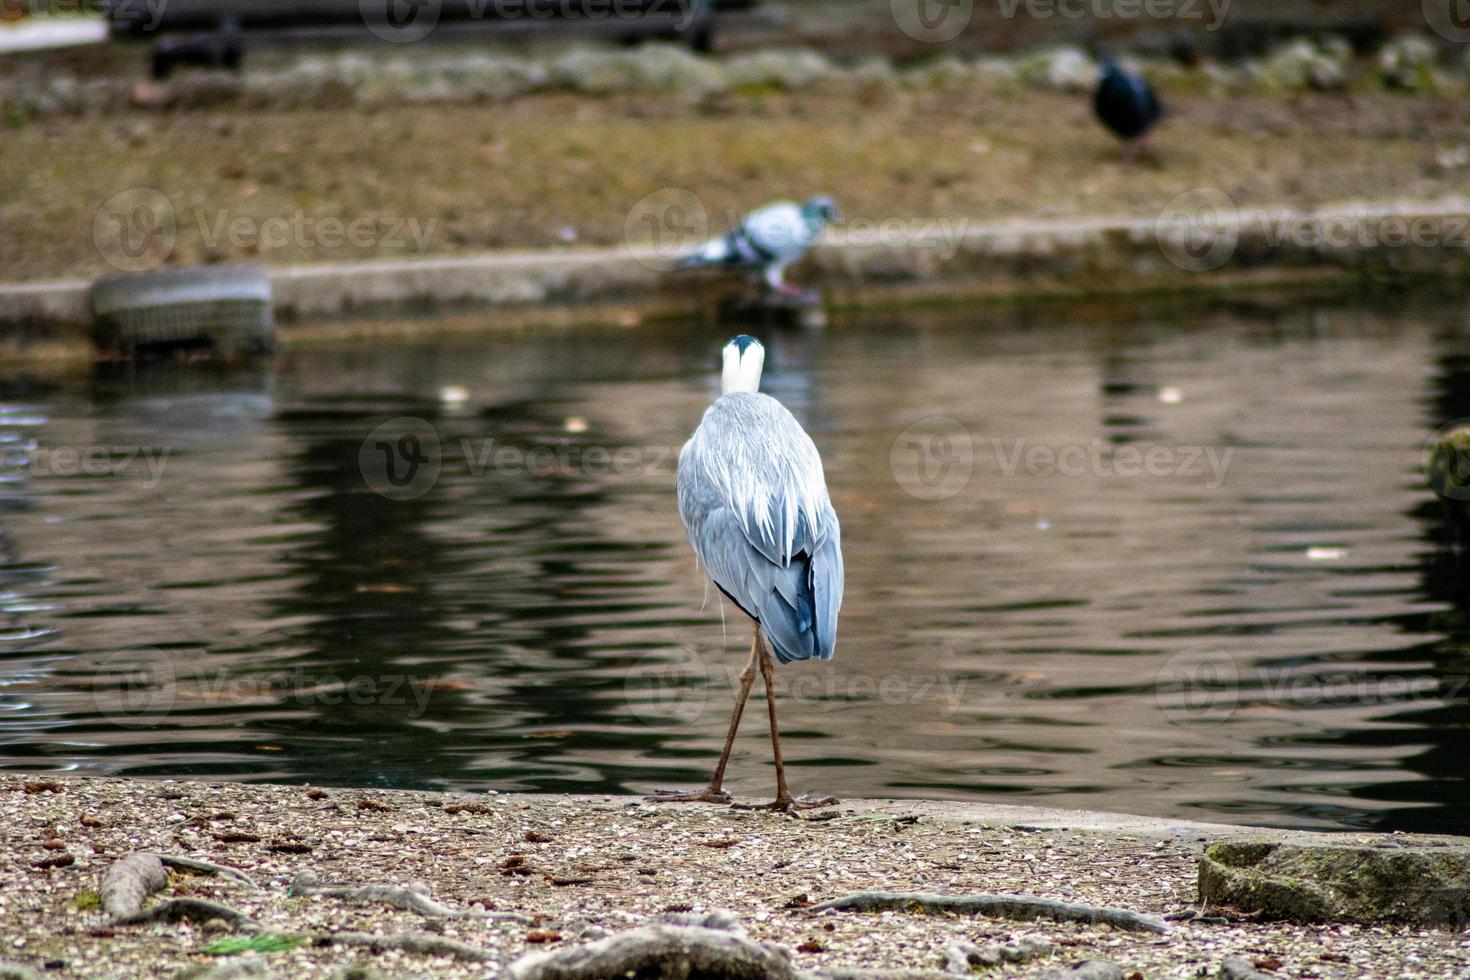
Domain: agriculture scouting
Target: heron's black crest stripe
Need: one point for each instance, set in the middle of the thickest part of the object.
(743, 341)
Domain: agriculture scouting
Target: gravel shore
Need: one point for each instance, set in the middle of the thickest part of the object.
(582, 868)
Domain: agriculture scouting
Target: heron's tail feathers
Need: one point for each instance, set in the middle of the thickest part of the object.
(799, 616)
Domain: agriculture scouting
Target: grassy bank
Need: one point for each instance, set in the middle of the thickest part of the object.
(318, 185)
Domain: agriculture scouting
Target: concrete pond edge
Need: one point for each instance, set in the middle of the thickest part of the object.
(1199, 242)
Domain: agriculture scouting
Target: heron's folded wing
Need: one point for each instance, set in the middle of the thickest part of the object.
(777, 596)
(826, 586)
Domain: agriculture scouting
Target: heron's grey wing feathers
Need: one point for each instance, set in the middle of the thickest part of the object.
(771, 594)
(754, 501)
(827, 578)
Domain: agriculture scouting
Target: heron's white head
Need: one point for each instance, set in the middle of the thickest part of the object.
(744, 359)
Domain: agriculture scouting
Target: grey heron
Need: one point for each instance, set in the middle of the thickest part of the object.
(768, 240)
(754, 502)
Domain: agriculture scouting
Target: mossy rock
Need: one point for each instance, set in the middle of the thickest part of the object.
(1422, 885)
(1448, 472)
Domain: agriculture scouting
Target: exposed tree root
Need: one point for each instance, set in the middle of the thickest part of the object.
(876, 973)
(395, 896)
(961, 957)
(1086, 970)
(419, 943)
(192, 910)
(206, 868)
(721, 919)
(666, 952)
(128, 881)
(1021, 907)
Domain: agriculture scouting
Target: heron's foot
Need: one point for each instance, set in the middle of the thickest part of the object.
(710, 795)
(790, 804)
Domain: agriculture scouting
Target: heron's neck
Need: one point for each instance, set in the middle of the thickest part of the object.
(741, 373)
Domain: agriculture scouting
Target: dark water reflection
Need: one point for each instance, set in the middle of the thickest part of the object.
(1177, 560)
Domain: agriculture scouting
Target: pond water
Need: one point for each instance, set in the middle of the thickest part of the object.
(1175, 559)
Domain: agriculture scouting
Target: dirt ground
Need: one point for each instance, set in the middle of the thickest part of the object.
(584, 868)
(559, 170)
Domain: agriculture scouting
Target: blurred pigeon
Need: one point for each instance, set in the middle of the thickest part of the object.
(1126, 104)
(767, 240)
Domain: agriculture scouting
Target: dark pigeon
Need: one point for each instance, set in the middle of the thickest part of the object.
(1125, 103)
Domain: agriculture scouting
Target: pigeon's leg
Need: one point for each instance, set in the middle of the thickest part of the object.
(1147, 150)
(715, 792)
(784, 802)
(775, 276)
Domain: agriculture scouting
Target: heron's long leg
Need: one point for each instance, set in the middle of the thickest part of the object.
(784, 800)
(747, 678)
(715, 793)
